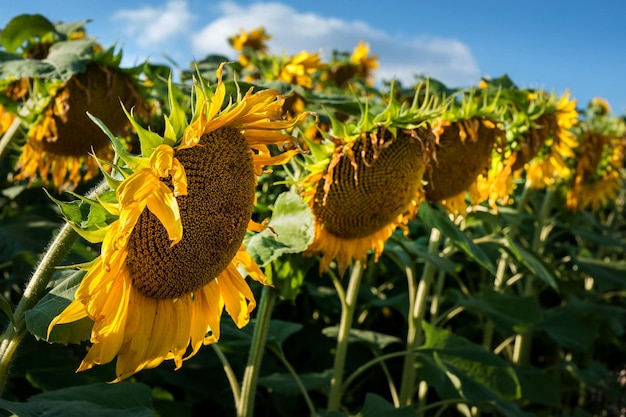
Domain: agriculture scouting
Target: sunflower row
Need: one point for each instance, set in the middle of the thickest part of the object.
(183, 184)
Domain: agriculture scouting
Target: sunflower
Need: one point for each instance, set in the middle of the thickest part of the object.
(300, 68)
(344, 67)
(599, 158)
(169, 261)
(544, 140)
(468, 135)
(365, 179)
(249, 41)
(365, 65)
(62, 137)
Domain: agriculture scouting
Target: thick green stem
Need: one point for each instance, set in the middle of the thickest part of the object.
(348, 306)
(245, 408)
(523, 342)
(7, 138)
(417, 311)
(35, 288)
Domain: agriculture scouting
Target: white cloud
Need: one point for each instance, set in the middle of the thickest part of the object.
(149, 26)
(448, 60)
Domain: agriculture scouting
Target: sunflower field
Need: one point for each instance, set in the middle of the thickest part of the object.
(325, 243)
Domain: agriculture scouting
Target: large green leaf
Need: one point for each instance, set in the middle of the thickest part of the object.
(376, 406)
(532, 262)
(70, 57)
(48, 408)
(570, 329)
(290, 230)
(22, 28)
(376, 340)
(39, 317)
(436, 218)
(117, 396)
(284, 383)
(510, 313)
(476, 373)
(539, 386)
(287, 273)
(102, 400)
(610, 274)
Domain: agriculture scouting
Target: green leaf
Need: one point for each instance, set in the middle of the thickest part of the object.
(52, 304)
(435, 217)
(70, 57)
(510, 313)
(117, 396)
(539, 386)
(287, 274)
(22, 28)
(376, 340)
(284, 383)
(18, 67)
(70, 409)
(477, 373)
(530, 261)
(570, 329)
(280, 330)
(290, 230)
(608, 272)
(376, 406)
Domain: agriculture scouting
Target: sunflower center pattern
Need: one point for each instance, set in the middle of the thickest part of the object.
(458, 162)
(98, 91)
(370, 186)
(214, 213)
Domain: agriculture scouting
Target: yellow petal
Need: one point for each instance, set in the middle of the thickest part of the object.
(164, 206)
(238, 298)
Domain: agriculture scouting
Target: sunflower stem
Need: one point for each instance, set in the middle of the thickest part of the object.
(230, 374)
(417, 308)
(523, 341)
(307, 398)
(348, 306)
(7, 138)
(35, 288)
(500, 278)
(245, 407)
(54, 255)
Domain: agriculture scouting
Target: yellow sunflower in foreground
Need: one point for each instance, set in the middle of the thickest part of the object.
(365, 180)
(599, 159)
(169, 262)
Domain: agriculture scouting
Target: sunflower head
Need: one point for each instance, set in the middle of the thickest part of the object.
(172, 237)
(300, 68)
(599, 159)
(249, 43)
(467, 137)
(62, 136)
(541, 137)
(365, 179)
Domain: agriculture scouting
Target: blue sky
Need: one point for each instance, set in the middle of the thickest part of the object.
(554, 45)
